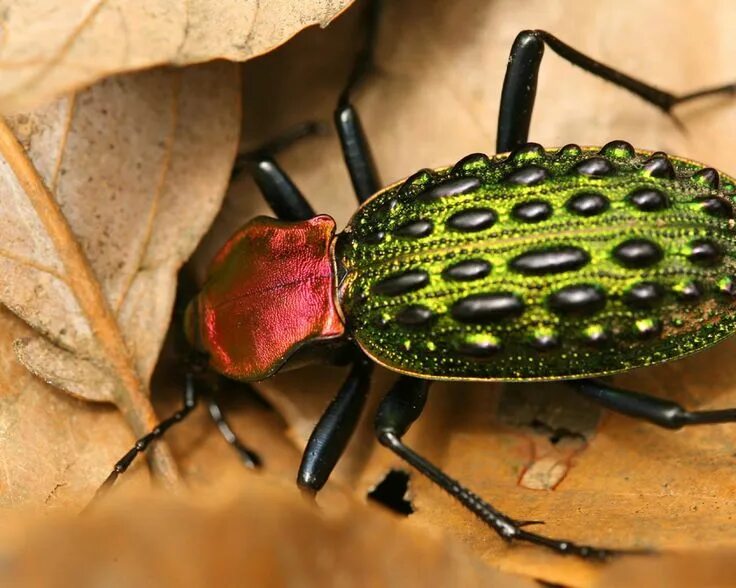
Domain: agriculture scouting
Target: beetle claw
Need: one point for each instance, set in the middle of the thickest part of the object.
(521, 524)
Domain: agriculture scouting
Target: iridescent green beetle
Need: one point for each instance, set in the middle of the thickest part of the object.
(537, 264)
(541, 265)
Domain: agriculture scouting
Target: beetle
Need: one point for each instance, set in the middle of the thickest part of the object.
(534, 264)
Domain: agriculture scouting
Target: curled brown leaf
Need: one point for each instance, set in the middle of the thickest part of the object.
(105, 194)
(53, 47)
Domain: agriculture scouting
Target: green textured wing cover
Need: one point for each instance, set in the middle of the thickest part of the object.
(542, 264)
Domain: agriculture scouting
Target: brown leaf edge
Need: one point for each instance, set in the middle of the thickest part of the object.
(130, 397)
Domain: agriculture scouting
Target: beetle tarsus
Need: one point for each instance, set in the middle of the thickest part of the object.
(400, 408)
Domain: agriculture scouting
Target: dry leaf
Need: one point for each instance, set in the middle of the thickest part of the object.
(676, 570)
(105, 196)
(260, 536)
(50, 47)
(433, 99)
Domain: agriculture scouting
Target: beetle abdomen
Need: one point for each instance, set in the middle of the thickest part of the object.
(542, 264)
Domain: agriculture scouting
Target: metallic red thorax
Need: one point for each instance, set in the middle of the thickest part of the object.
(270, 290)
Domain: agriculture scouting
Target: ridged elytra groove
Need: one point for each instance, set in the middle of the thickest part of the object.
(532, 211)
(638, 253)
(577, 300)
(644, 295)
(487, 308)
(588, 204)
(473, 219)
(648, 199)
(401, 283)
(468, 270)
(549, 260)
(622, 244)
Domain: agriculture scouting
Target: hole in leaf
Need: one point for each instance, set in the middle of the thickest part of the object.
(391, 492)
(555, 434)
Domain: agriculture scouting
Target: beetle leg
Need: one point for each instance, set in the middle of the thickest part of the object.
(334, 429)
(284, 198)
(400, 408)
(355, 148)
(520, 85)
(658, 411)
(248, 457)
(190, 401)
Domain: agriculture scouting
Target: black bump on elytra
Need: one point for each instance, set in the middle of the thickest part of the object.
(638, 253)
(550, 260)
(532, 211)
(474, 161)
(545, 342)
(611, 149)
(577, 300)
(644, 295)
(388, 206)
(473, 219)
(373, 238)
(650, 330)
(414, 228)
(527, 149)
(466, 271)
(478, 349)
(569, 150)
(529, 175)
(414, 315)
(717, 206)
(596, 338)
(401, 283)
(707, 177)
(420, 178)
(487, 308)
(454, 187)
(596, 167)
(728, 286)
(689, 292)
(648, 199)
(705, 252)
(588, 204)
(659, 166)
